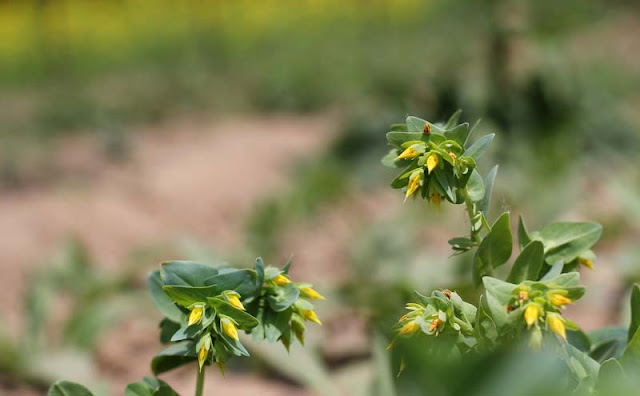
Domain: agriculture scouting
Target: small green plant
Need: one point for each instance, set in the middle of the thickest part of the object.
(521, 304)
(206, 309)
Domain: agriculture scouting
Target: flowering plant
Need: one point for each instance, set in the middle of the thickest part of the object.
(206, 308)
(439, 164)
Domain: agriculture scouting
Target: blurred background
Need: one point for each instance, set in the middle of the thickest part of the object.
(137, 131)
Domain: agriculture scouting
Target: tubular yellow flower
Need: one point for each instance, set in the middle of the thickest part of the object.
(557, 325)
(531, 314)
(229, 328)
(235, 301)
(408, 153)
(586, 262)
(203, 353)
(409, 328)
(281, 280)
(196, 314)
(559, 300)
(310, 315)
(435, 199)
(415, 180)
(523, 295)
(311, 293)
(432, 162)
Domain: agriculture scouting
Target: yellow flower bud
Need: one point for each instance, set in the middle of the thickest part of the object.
(415, 180)
(432, 162)
(311, 293)
(281, 280)
(435, 199)
(557, 325)
(531, 314)
(586, 262)
(408, 153)
(235, 301)
(409, 328)
(229, 328)
(203, 353)
(559, 300)
(310, 315)
(196, 314)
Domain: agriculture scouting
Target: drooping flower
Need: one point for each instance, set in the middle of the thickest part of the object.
(196, 314)
(281, 280)
(415, 180)
(409, 328)
(556, 324)
(432, 162)
(531, 314)
(311, 293)
(234, 300)
(310, 315)
(558, 300)
(411, 152)
(586, 262)
(229, 328)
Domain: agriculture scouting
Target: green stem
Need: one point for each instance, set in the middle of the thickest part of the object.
(471, 212)
(200, 382)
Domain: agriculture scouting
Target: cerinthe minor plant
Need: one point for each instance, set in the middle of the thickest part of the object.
(523, 303)
(206, 308)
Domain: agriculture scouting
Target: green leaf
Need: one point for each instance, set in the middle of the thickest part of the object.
(244, 320)
(162, 300)
(475, 186)
(149, 386)
(188, 295)
(479, 147)
(458, 134)
(68, 388)
(567, 240)
(608, 342)
(453, 120)
(612, 376)
(415, 124)
(397, 139)
(488, 189)
(635, 311)
(494, 250)
(630, 358)
(528, 264)
(523, 235)
(241, 280)
(284, 298)
(186, 273)
(174, 356)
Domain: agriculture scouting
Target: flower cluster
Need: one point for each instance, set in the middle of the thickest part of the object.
(442, 312)
(435, 160)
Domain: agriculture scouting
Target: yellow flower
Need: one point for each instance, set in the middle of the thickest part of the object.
(203, 354)
(523, 295)
(409, 328)
(435, 199)
(432, 162)
(309, 314)
(559, 300)
(196, 314)
(434, 325)
(586, 262)
(281, 280)
(235, 301)
(311, 293)
(531, 314)
(557, 325)
(229, 328)
(408, 153)
(415, 180)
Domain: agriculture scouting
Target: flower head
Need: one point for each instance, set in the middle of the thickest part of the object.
(556, 324)
(281, 280)
(432, 162)
(410, 152)
(311, 293)
(531, 314)
(229, 328)
(415, 181)
(310, 315)
(234, 300)
(196, 314)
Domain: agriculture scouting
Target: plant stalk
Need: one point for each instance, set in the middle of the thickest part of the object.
(200, 382)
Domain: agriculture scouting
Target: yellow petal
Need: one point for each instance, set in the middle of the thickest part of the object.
(196, 314)
(409, 328)
(281, 280)
(432, 162)
(559, 300)
(235, 301)
(557, 326)
(586, 262)
(203, 353)
(435, 199)
(414, 184)
(531, 314)
(229, 328)
(311, 293)
(310, 315)
(409, 153)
